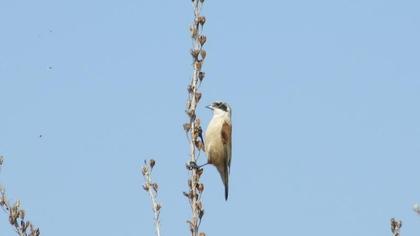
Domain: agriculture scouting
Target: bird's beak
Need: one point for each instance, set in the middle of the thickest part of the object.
(210, 107)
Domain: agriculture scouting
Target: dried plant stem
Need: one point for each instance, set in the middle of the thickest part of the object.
(16, 214)
(395, 226)
(152, 189)
(193, 127)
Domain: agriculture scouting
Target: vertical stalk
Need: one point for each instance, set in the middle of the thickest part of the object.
(193, 127)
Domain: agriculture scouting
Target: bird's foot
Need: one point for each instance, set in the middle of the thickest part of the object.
(192, 165)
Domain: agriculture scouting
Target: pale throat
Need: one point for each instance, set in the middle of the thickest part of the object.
(217, 113)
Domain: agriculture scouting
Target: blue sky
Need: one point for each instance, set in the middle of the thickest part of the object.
(325, 101)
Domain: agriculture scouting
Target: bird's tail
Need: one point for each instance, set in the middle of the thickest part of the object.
(224, 174)
(226, 183)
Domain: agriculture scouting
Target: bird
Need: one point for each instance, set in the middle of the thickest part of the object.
(218, 141)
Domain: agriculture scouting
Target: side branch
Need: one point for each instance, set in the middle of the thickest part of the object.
(152, 189)
(16, 214)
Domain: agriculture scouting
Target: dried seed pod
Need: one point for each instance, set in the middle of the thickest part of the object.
(146, 187)
(187, 127)
(201, 20)
(144, 170)
(201, 76)
(200, 187)
(201, 214)
(202, 233)
(190, 112)
(199, 172)
(197, 65)
(193, 31)
(199, 145)
(195, 53)
(21, 214)
(199, 205)
(197, 96)
(203, 54)
(152, 163)
(202, 39)
(190, 88)
(155, 186)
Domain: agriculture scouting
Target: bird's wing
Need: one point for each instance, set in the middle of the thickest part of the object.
(227, 140)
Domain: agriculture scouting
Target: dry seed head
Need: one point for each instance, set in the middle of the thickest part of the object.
(197, 65)
(199, 205)
(187, 127)
(200, 172)
(190, 88)
(202, 39)
(190, 112)
(198, 144)
(155, 187)
(201, 214)
(193, 31)
(200, 187)
(22, 214)
(195, 53)
(144, 170)
(17, 204)
(197, 96)
(201, 20)
(146, 187)
(203, 54)
(152, 163)
(201, 75)
(202, 233)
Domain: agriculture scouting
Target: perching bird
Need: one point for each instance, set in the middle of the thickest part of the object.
(218, 141)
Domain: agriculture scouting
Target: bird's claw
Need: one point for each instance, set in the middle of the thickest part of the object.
(192, 165)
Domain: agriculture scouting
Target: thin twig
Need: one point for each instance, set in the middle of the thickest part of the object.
(16, 214)
(193, 127)
(152, 189)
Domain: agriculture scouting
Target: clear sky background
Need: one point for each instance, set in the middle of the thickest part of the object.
(325, 97)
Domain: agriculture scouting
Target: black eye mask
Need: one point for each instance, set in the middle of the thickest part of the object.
(221, 106)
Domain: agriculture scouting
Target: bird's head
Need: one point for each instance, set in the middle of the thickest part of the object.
(220, 108)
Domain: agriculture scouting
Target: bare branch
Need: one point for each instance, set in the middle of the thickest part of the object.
(152, 189)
